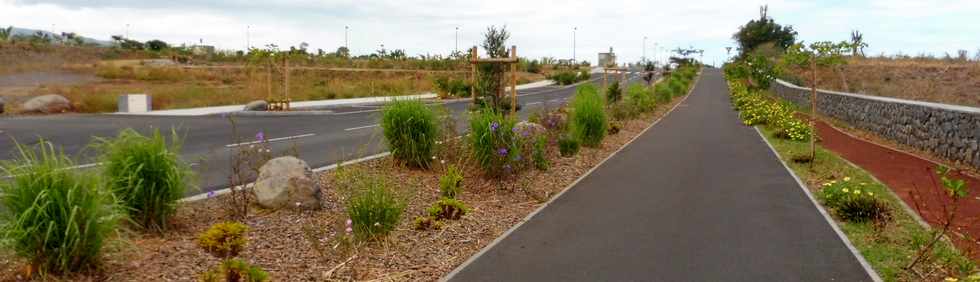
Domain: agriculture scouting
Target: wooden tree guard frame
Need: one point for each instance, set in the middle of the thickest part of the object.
(605, 74)
(512, 61)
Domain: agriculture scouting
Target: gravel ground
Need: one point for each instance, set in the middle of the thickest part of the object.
(306, 246)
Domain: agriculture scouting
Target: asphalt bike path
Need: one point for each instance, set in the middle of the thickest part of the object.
(698, 197)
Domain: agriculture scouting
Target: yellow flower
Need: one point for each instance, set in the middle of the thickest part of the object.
(847, 179)
(845, 190)
(951, 279)
(857, 192)
(871, 194)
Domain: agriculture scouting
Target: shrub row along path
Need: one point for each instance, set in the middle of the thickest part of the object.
(349, 132)
(698, 197)
(914, 180)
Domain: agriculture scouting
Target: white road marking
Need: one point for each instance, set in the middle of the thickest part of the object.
(271, 140)
(362, 127)
(532, 103)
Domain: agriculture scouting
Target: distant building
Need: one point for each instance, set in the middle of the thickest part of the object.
(202, 50)
(607, 59)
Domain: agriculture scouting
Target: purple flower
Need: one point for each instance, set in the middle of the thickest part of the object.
(515, 129)
(210, 194)
(502, 152)
(260, 136)
(525, 133)
(494, 126)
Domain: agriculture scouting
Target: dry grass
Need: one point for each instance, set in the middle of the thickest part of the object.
(933, 80)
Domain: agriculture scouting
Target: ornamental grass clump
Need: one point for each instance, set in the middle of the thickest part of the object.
(588, 121)
(495, 143)
(145, 174)
(56, 217)
(373, 207)
(410, 130)
(568, 146)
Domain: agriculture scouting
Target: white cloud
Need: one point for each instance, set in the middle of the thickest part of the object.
(539, 28)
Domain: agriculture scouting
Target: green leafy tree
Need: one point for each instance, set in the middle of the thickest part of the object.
(6, 33)
(157, 45)
(823, 54)
(490, 83)
(762, 30)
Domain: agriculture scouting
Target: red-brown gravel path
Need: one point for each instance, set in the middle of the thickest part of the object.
(906, 173)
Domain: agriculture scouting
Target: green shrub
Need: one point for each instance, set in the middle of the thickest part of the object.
(677, 85)
(614, 93)
(450, 184)
(640, 98)
(568, 77)
(568, 146)
(540, 153)
(224, 240)
(410, 130)
(452, 87)
(447, 208)
(851, 202)
(373, 207)
(662, 94)
(494, 144)
(145, 174)
(234, 270)
(588, 116)
(56, 217)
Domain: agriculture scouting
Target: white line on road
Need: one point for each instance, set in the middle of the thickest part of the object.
(361, 127)
(271, 140)
(533, 103)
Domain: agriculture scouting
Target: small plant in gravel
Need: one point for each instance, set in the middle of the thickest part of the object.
(224, 240)
(373, 207)
(540, 153)
(568, 146)
(410, 130)
(145, 174)
(588, 116)
(451, 184)
(852, 202)
(948, 190)
(56, 217)
(447, 208)
(427, 223)
(235, 270)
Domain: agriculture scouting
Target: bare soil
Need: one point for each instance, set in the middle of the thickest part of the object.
(931, 80)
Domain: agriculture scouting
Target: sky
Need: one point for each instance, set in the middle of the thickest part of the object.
(538, 28)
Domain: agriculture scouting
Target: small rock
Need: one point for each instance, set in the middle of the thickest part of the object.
(47, 104)
(528, 129)
(287, 182)
(257, 105)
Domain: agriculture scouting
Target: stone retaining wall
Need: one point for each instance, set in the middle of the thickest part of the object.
(947, 131)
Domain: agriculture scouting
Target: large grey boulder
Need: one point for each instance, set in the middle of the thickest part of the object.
(47, 104)
(287, 182)
(258, 105)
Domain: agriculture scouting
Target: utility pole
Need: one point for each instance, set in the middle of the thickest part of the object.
(456, 49)
(248, 39)
(346, 43)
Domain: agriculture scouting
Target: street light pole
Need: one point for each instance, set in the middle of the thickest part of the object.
(574, 30)
(644, 60)
(457, 39)
(248, 39)
(346, 43)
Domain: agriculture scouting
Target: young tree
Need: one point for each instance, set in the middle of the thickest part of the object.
(6, 33)
(490, 83)
(857, 43)
(157, 45)
(759, 31)
(817, 54)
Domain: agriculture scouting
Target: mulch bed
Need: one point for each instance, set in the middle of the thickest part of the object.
(913, 179)
(307, 245)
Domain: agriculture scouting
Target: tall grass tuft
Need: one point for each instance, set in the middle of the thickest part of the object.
(493, 142)
(410, 130)
(373, 207)
(58, 218)
(588, 116)
(146, 175)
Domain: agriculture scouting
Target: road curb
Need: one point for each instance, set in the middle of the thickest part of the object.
(823, 212)
(527, 218)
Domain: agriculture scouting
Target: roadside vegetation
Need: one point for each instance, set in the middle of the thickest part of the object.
(875, 220)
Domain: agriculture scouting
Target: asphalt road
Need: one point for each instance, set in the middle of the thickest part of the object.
(699, 197)
(321, 140)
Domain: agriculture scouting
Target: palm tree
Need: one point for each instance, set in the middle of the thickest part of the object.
(6, 33)
(857, 43)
